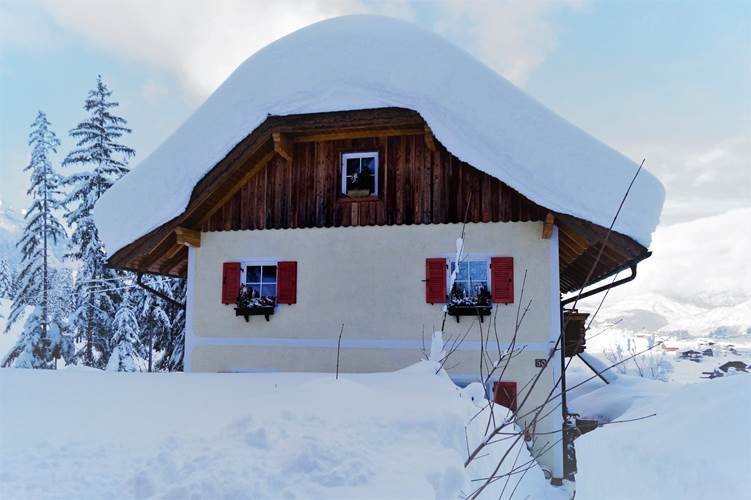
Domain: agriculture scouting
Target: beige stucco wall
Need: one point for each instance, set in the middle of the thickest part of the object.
(371, 280)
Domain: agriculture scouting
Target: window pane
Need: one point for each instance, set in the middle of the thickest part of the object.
(476, 287)
(353, 166)
(368, 166)
(269, 274)
(256, 290)
(268, 290)
(253, 274)
(462, 288)
(463, 273)
(478, 270)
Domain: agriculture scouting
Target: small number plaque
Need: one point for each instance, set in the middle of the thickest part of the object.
(540, 362)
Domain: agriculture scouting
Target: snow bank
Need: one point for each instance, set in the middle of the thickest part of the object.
(362, 62)
(695, 448)
(90, 434)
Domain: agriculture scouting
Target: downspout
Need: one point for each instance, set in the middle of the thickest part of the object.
(569, 427)
(159, 294)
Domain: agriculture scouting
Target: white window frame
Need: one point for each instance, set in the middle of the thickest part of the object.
(359, 155)
(469, 257)
(258, 262)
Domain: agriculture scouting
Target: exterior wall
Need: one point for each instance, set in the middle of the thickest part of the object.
(371, 280)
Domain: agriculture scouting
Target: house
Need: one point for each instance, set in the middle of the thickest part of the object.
(329, 178)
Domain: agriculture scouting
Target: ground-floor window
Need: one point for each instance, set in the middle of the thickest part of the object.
(472, 284)
(260, 279)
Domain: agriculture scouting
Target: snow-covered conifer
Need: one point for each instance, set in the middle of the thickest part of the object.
(171, 342)
(101, 160)
(41, 231)
(126, 355)
(6, 279)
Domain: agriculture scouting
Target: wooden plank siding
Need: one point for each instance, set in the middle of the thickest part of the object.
(417, 186)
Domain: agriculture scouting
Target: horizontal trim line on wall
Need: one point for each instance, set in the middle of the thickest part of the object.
(330, 343)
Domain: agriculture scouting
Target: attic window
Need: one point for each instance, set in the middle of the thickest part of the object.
(360, 174)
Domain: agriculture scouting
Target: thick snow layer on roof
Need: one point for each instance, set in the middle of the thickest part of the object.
(363, 62)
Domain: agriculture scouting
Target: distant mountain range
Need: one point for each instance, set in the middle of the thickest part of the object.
(696, 284)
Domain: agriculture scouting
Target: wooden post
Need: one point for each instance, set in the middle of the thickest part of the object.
(547, 227)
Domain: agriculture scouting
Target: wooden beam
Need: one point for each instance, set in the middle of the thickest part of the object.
(173, 261)
(547, 226)
(429, 139)
(188, 237)
(357, 134)
(230, 192)
(283, 145)
(169, 254)
(157, 251)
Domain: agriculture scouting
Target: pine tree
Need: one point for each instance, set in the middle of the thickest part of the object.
(6, 279)
(41, 230)
(173, 345)
(163, 322)
(126, 346)
(103, 161)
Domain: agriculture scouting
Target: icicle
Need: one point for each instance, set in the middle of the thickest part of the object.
(436, 348)
(458, 257)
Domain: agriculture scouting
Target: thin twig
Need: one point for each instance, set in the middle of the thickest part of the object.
(338, 349)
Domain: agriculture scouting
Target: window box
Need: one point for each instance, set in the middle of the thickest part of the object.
(255, 310)
(251, 301)
(458, 310)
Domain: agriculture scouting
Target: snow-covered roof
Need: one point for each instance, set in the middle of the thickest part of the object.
(364, 62)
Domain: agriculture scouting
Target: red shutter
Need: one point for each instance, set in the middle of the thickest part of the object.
(435, 281)
(286, 282)
(230, 282)
(502, 279)
(504, 393)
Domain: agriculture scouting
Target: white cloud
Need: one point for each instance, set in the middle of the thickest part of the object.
(23, 23)
(511, 36)
(203, 42)
(152, 91)
(701, 179)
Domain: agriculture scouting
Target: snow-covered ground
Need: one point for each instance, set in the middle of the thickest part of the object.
(80, 433)
(694, 447)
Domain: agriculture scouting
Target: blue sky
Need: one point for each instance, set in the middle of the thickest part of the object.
(667, 80)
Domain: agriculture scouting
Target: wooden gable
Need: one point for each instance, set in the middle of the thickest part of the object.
(286, 174)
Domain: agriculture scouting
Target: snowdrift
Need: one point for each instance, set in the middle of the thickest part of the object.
(695, 448)
(363, 62)
(83, 433)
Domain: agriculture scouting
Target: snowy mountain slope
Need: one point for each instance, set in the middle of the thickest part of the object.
(255, 436)
(478, 115)
(11, 228)
(697, 282)
(12, 224)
